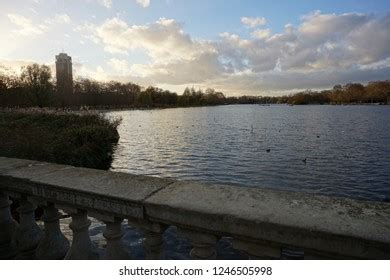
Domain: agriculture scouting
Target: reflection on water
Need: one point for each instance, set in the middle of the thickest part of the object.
(332, 150)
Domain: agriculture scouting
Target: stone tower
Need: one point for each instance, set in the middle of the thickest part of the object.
(64, 74)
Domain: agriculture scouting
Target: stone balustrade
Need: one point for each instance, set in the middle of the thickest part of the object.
(263, 223)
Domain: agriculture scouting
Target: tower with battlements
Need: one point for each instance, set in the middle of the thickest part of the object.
(64, 74)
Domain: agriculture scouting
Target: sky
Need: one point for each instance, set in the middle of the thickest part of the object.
(255, 47)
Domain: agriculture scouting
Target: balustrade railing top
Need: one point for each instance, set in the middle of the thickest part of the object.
(261, 222)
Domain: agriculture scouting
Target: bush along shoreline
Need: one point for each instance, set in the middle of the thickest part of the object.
(82, 140)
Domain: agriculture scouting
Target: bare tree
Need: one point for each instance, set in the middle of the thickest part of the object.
(36, 78)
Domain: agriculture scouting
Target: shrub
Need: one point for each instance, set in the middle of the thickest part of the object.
(83, 140)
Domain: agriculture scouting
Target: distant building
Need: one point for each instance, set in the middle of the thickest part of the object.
(64, 74)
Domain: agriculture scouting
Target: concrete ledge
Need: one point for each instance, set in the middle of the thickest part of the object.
(329, 226)
(339, 226)
(116, 193)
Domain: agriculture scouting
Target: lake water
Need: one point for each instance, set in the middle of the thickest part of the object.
(330, 150)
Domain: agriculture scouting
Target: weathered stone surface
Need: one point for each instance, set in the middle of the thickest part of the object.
(323, 226)
(12, 163)
(115, 193)
(337, 225)
(111, 184)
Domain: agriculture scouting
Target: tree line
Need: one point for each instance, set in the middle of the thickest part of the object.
(352, 93)
(34, 87)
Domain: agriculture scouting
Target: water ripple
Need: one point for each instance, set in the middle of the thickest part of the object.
(346, 148)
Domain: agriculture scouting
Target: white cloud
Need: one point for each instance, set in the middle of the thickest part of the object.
(175, 57)
(164, 40)
(88, 31)
(25, 26)
(119, 66)
(59, 19)
(322, 50)
(253, 22)
(62, 18)
(261, 33)
(106, 3)
(305, 55)
(321, 41)
(34, 11)
(144, 3)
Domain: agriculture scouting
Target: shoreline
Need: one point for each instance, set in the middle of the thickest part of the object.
(101, 110)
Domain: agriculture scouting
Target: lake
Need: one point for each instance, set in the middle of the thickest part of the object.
(330, 150)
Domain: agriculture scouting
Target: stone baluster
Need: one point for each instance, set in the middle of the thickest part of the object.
(7, 229)
(115, 249)
(29, 234)
(82, 247)
(154, 241)
(204, 244)
(54, 244)
(258, 251)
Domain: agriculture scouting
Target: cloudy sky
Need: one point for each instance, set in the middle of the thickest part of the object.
(237, 46)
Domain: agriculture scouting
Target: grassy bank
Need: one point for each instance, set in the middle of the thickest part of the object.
(83, 140)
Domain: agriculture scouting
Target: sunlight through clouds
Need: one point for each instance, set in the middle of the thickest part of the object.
(249, 54)
(308, 50)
